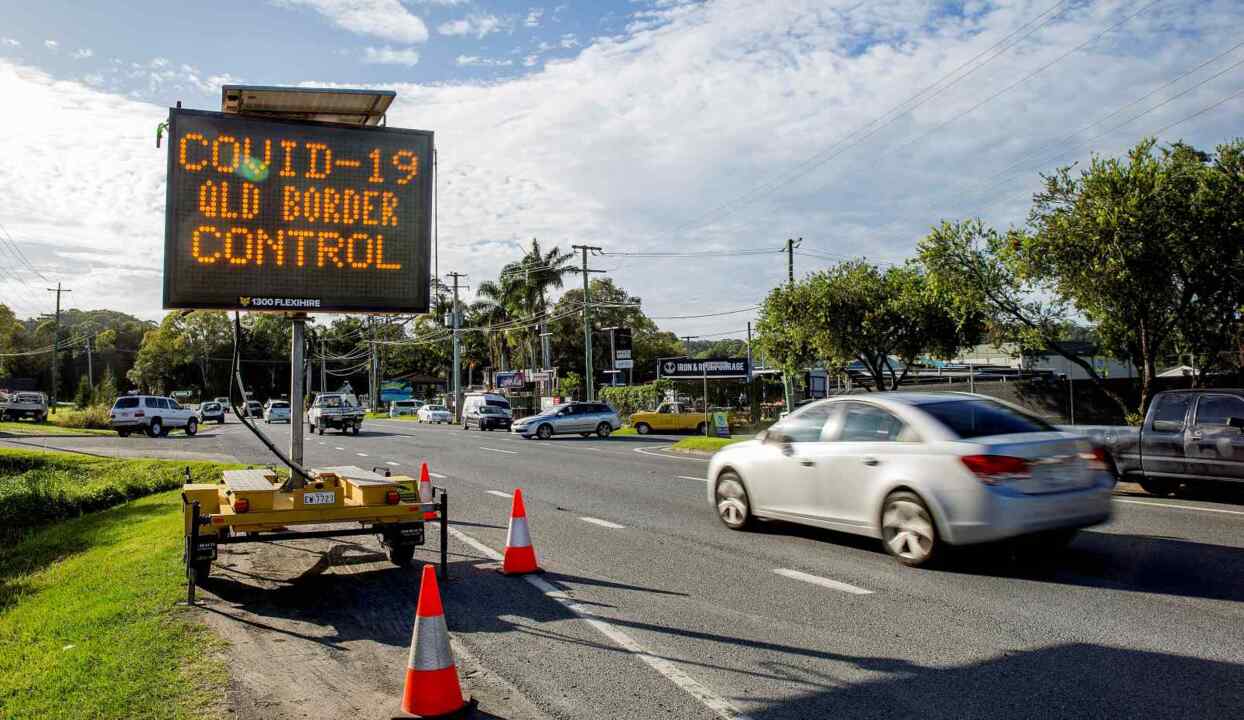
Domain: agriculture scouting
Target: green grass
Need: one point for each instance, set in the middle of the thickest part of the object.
(625, 430)
(88, 625)
(32, 428)
(385, 416)
(38, 487)
(707, 444)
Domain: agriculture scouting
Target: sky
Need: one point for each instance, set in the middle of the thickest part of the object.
(714, 128)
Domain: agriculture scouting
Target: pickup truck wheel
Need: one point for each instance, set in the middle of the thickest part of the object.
(320, 429)
(356, 429)
(643, 428)
(192, 427)
(402, 555)
(220, 420)
(123, 433)
(603, 430)
(1161, 488)
(699, 429)
(156, 428)
(544, 432)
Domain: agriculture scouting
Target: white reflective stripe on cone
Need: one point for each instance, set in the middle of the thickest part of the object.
(425, 492)
(518, 535)
(430, 650)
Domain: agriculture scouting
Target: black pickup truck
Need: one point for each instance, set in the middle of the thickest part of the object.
(1188, 437)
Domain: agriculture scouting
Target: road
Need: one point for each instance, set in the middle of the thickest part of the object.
(651, 608)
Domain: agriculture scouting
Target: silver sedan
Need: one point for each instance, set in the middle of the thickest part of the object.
(915, 470)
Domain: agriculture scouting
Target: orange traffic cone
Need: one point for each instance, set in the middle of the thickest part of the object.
(425, 491)
(432, 688)
(520, 556)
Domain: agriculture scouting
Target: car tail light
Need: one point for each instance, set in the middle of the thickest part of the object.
(241, 505)
(995, 469)
(392, 497)
(1097, 459)
(140, 413)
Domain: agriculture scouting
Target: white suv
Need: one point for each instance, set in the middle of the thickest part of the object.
(152, 414)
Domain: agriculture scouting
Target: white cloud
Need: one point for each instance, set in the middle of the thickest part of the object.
(210, 85)
(82, 53)
(11, 42)
(664, 139)
(533, 17)
(51, 45)
(391, 56)
(477, 61)
(475, 24)
(569, 41)
(386, 19)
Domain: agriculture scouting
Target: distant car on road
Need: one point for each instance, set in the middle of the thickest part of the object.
(486, 417)
(211, 411)
(583, 418)
(474, 400)
(917, 471)
(434, 414)
(276, 411)
(154, 414)
(398, 408)
(252, 409)
(336, 410)
(224, 403)
(23, 404)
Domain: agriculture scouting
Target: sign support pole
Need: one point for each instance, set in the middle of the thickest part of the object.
(296, 368)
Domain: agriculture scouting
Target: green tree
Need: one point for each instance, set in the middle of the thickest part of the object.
(106, 390)
(570, 384)
(84, 395)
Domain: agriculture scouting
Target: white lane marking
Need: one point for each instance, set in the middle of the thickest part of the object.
(603, 523)
(339, 448)
(507, 452)
(1178, 507)
(823, 582)
(646, 451)
(719, 705)
(498, 493)
(390, 462)
(361, 454)
(438, 476)
(688, 477)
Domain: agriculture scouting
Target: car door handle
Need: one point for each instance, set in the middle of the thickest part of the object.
(870, 461)
(807, 463)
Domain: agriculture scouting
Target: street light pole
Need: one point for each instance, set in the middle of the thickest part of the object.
(589, 374)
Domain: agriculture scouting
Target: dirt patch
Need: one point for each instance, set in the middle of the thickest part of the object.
(321, 629)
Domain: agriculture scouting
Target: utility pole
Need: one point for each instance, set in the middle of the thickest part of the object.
(323, 366)
(297, 368)
(752, 407)
(457, 384)
(686, 341)
(589, 374)
(790, 258)
(90, 365)
(55, 351)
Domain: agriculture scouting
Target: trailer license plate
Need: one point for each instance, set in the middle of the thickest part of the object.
(319, 498)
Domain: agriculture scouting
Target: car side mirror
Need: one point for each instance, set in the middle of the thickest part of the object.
(1236, 422)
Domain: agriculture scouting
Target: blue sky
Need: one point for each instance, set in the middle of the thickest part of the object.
(640, 126)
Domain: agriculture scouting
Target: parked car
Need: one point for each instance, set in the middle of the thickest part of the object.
(224, 403)
(668, 417)
(485, 417)
(211, 411)
(154, 414)
(474, 400)
(252, 409)
(1188, 437)
(917, 471)
(583, 418)
(434, 414)
(336, 410)
(276, 411)
(23, 404)
(398, 408)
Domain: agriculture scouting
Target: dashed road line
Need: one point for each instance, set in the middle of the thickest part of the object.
(438, 476)
(507, 452)
(498, 493)
(672, 672)
(361, 454)
(603, 523)
(1178, 507)
(390, 462)
(648, 451)
(823, 582)
(339, 448)
(688, 477)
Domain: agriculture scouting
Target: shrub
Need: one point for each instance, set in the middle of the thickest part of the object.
(95, 416)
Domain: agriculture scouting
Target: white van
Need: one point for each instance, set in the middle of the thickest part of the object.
(474, 400)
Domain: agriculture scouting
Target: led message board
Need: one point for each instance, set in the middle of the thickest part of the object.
(296, 216)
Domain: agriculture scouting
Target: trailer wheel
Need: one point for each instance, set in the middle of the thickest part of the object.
(402, 555)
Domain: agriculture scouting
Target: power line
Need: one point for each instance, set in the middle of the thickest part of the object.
(707, 315)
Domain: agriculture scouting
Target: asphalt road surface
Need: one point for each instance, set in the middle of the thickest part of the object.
(650, 608)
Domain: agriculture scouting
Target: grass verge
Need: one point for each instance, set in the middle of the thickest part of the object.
(707, 444)
(16, 427)
(88, 626)
(38, 487)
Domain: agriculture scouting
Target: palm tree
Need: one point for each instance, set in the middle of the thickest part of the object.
(540, 272)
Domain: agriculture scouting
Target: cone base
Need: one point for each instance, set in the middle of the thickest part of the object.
(432, 693)
(462, 712)
(519, 561)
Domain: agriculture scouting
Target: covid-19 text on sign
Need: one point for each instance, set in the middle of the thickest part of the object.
(296, 216)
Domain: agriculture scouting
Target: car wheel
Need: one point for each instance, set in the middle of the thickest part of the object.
(603, 430)
(465, 425)
(221, 421)
(907, 529)
(733, 507)
(699, 429)
(320, 429)
(1161, 488)
(357, 428)
(155, 429)
(192, 427)
(402, 555)
(544, 432)
(643, 428)
(123, 433)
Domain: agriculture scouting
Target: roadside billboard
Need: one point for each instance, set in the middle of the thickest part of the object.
(287, 215)
(512, 379)
(391, 390)
(693, 369)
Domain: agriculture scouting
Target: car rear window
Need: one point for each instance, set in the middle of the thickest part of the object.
(280, 405)
(125, 403)
(982, 418)
(497, 403)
